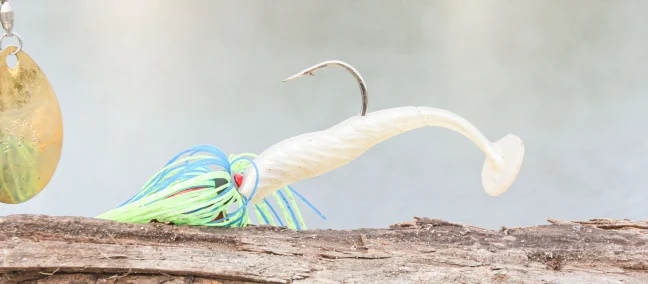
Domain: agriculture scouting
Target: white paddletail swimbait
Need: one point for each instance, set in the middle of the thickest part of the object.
(313, 154)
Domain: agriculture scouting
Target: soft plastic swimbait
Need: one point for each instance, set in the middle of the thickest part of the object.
(313, 154)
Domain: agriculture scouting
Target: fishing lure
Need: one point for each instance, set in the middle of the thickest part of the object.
(312, 154)
(31, 126)
(188, 191)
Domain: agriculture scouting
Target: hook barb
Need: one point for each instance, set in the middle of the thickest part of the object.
(310, 71)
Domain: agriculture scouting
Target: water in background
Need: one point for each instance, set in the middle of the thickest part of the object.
(139, 81)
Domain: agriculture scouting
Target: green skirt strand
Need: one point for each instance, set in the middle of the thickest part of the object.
(199, 187)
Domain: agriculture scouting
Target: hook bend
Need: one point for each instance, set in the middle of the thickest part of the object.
(310, 71)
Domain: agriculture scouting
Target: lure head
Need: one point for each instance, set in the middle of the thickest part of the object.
(247, 186)
(245, 183)
(497, 178)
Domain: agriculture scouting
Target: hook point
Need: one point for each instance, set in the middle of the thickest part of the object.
(299, 75)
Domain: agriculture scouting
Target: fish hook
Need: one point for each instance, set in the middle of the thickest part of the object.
(310, 71)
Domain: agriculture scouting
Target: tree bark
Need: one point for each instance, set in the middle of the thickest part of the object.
(45, 249)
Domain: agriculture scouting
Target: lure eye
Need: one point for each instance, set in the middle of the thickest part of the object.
(238, 179)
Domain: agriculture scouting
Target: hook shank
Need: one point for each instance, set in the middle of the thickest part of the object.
(310, 71)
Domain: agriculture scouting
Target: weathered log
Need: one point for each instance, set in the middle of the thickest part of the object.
(45, 249)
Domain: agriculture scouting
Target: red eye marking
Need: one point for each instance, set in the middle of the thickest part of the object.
(238, 179)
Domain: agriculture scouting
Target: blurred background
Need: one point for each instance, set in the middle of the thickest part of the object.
(139, 81)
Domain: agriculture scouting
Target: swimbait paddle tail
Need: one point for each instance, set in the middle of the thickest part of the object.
(313, 154)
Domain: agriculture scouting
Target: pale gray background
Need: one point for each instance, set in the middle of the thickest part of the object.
(139, 81)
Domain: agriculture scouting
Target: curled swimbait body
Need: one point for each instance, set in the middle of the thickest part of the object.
(313, 154)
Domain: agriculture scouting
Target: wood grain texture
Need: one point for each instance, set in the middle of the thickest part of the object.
(45, 249)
